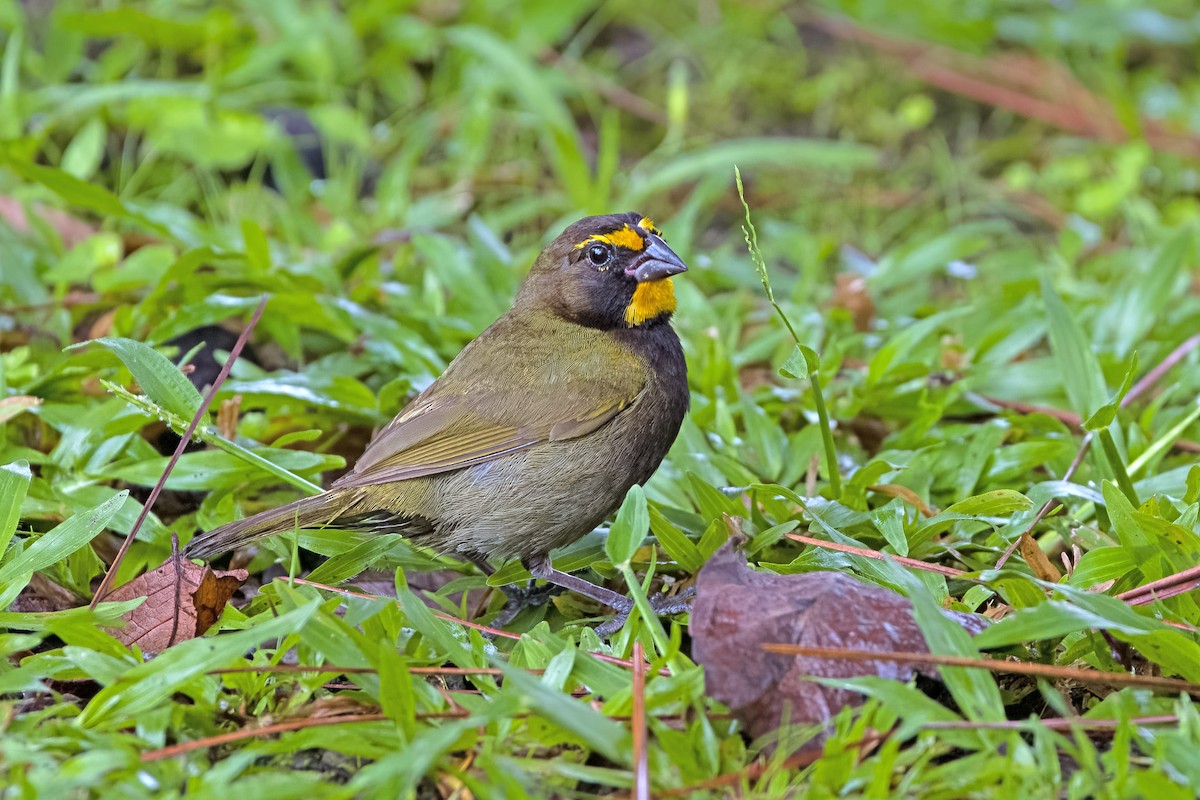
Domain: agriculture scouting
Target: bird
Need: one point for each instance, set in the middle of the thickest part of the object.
(535, 432)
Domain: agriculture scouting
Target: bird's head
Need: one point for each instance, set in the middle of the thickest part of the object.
(610, 271)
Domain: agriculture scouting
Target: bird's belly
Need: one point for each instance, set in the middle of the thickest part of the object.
(533, 501)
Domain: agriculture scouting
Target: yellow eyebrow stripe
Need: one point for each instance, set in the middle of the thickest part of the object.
(625, 237)
(647, 224)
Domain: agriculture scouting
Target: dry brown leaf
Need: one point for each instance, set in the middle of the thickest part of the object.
(737, 610)
(72, 231)
(183, 600)
(907, 495)
(850, 293)
(1038, 561)
(11, 406)
(227, 416)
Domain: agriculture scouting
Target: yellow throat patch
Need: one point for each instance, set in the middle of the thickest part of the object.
(650, 300)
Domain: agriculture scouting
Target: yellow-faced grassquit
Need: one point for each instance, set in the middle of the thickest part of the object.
(537, 429)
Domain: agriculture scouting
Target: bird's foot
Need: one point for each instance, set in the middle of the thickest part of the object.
(520, 599)
(661, 604)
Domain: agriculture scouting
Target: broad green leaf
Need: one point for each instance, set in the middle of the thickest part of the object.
(1107, 413)
(346, 565)
(146, 686)
(1082, 377)
(1102, 564)
(991, 504)
(398, 773)
(778, 153)
(675, 542)
(161, 380)
(601, 734)
(82, 194)
(54, 546)
(629, 528)
(1137, 543)
(800, 363)
(212, 469)
(82, 156)
(974, 690)
(14, 485)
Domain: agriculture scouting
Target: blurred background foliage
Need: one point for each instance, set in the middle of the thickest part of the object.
(927, 179)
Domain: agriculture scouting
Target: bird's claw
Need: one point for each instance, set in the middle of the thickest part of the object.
(661, 604)
(521, 598)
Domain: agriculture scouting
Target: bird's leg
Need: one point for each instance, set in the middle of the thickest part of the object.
(518, 598)
(659, 603)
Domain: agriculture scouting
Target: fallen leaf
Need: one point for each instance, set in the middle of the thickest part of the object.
(737, 610)
(907, 495)
(183, 600)
(11, 406)
(71, 230)
(1038, 561)
(850, 294)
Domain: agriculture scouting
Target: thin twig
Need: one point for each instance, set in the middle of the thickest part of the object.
(1154, 375)
(992, 665)
(1161, 589)
(177, 563)
(106, 582)
(318, 722)
(330, 668)
(949, 572)
(1053, 723)
(641, 758)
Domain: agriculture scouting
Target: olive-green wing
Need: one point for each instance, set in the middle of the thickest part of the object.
(439, 433)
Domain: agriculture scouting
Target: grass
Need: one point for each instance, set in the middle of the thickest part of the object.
(965, 280)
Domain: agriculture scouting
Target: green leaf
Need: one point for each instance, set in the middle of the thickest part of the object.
(675, 542)
(900, 345)
(796, 365)
(1137, 543)
(14, 485)
(601, 734)
(147, 686)
(161, 380)
(1107, 413)
(212, 469)
(82, 194)
(629, 528)
(346, 565)
(974, 690)
(396, 774)
(718, 158)
(54, 546)
(83, 155)
(996, 503)
(1081, 375)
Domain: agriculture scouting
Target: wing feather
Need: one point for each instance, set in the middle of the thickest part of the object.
(474, 414)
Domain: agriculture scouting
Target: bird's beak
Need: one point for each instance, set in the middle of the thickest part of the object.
(656, 262)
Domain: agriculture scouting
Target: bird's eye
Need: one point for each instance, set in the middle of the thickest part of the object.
(599, 255)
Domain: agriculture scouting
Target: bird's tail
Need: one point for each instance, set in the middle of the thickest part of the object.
(307, 512)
